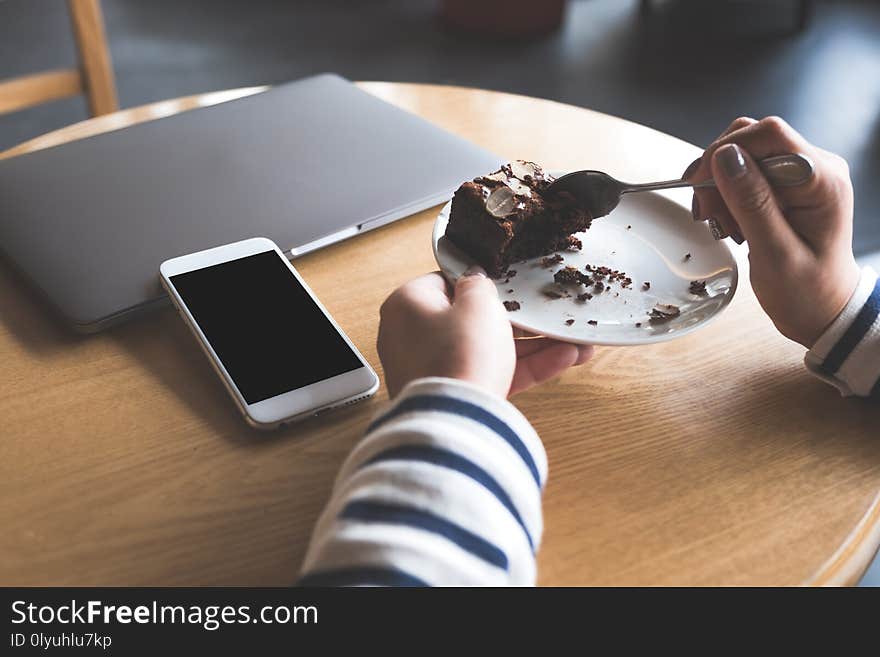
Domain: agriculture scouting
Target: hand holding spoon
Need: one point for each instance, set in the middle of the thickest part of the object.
(599, 193)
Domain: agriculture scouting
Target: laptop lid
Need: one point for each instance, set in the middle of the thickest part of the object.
(305, 164)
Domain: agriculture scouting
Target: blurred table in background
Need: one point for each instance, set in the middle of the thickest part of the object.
(713, 459)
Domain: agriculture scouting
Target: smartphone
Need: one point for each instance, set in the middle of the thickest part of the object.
(276, 348)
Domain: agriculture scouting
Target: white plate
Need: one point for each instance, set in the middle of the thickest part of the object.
(648, 237)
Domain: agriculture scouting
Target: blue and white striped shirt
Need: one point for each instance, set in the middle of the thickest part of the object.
(847, 355)
(445, 489)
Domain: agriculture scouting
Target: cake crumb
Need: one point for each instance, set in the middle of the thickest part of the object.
(629, 227)
(687, 256)
(646, 285)
(586, 296)
(638, 325)
(510, 306)
(554, 294)
(573, 243)
(510, 291)
(569, 322)
(551, 260)
(698, 288)
(569, 276)
(663, 312)
(592, 322)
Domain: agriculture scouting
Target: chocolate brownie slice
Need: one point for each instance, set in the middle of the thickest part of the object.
(506, 217)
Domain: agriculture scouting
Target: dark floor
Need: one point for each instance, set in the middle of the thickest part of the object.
(687, 69)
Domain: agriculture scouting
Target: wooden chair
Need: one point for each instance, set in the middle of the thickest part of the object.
(94, 77)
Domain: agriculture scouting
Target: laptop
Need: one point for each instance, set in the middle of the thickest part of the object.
(306, 164)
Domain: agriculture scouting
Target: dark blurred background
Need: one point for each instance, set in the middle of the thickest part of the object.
(685, 67)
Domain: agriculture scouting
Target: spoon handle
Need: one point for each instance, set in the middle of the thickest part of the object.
(780, 171)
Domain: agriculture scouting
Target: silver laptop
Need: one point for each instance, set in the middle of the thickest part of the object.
(305, 164)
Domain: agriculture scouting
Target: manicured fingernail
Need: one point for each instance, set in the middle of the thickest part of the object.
(736, 237)
(695, 208)
(692, 167)
(733, 164)
(716, 229)
(475, 270)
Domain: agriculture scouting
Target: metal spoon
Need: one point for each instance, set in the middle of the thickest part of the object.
(600, 193)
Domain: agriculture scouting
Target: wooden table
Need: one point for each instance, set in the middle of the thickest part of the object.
(714, 459)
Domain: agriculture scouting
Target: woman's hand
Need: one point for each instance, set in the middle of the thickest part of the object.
(800, 238)
(428, 330)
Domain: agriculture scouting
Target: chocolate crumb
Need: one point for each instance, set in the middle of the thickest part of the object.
(512, 272)
(569, 276)
(574, 244)
(510, 306)
(551, 260)
(638, 325)
(646, 285)
(569, 322)
(698, 288)
(593, 322)
(510, 291)
(599, 286)
(687, 256)
(663, 312)
(586, 296)
(553, 294)
(629, 227)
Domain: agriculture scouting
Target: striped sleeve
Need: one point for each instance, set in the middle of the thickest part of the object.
(847, 355)
(444, 489)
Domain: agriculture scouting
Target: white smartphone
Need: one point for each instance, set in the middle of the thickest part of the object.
(276, 348)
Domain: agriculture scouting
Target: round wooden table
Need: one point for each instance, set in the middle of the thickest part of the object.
(713, 459)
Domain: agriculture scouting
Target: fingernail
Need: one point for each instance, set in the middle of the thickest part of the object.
(475, 270)
(695, 208)
(716, 229)
(733, 164)
(739, 239)
(692, 167)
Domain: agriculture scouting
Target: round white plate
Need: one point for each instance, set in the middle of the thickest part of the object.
(650, 238)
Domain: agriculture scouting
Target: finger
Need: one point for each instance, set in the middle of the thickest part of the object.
(428, 293)
(709, 206)
(533, 345)
(737, 124)
(701, 165)
(751, 200)
(528, 347)
(432, 283)
(474, 290)
(772, 136)
(522, 334)
(764, 138)
(585, 353)
(546, 364)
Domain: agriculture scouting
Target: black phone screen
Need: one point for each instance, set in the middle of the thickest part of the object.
(264, 326)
